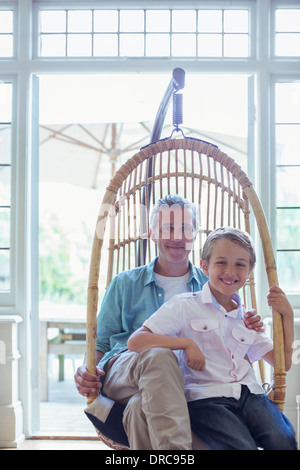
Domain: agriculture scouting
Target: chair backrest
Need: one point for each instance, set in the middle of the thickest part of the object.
(201, 173)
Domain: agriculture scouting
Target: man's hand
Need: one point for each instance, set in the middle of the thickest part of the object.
(253, 321)
(87, 383)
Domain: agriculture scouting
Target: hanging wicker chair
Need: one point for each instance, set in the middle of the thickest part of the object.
(224, 195)
(201, 173)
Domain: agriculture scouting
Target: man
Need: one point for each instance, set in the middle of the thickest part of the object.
(150, 384)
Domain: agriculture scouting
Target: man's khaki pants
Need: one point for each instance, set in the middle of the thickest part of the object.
(151, 385)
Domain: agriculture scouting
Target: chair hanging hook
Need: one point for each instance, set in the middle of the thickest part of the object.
(177, 113)
(177, 110)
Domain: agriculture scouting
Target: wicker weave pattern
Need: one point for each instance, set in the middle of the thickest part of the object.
(201, 173)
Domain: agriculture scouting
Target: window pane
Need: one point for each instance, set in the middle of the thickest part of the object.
(287, 102)
(5, 174)
(6, 46)
(236, 21)
(210, 45)
(288, 187)
(158, 21)
(6, 21)
(53, 45)
(210, 21)
(288, 229)
(184, 45)
(4, 270)
(80, 21)
(106, 45)
(132, 45)
(105, 21)
(288, 144)
(158, 45)
(4, 228)
(209, 42)
(131, 21)
(79, 45)
(5, 182)
(5, 142)
(5, 102)
(287, 44)
(289, 273)
(183, 21)
(236, 45)
(287, 20)
(53, 21)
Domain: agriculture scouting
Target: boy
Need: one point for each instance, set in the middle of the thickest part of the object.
(227, 406)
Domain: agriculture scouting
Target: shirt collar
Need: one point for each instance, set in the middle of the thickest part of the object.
(208, 297)
(194, 274)
(150, 272)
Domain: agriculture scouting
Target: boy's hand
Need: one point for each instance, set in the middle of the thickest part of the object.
(253, 321)
(278, 300)
(195, 358)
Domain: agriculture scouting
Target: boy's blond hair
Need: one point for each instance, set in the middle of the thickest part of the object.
(234, 235)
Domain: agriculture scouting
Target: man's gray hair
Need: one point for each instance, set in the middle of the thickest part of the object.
(170, 200)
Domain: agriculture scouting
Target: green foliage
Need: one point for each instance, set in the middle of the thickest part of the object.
(63, 263)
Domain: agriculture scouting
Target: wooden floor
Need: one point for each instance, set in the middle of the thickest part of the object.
(58, 444)
(64, 413)
(63, 423)
(65, 419)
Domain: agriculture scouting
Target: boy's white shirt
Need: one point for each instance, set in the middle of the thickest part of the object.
(223, 339)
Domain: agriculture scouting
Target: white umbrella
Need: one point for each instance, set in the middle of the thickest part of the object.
(87, 154)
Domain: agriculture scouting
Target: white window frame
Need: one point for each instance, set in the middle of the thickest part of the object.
(284, 5)
(25, 66)
(12, 5)
(136, 4)
(7, 297)
(283, 78)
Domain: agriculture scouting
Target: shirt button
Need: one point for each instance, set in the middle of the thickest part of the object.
(242, 340)
(205, 327)
(159, 295)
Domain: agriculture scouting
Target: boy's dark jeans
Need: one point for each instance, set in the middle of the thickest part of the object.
(248, 423)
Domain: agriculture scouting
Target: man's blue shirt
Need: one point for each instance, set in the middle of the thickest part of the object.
(131, 298)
